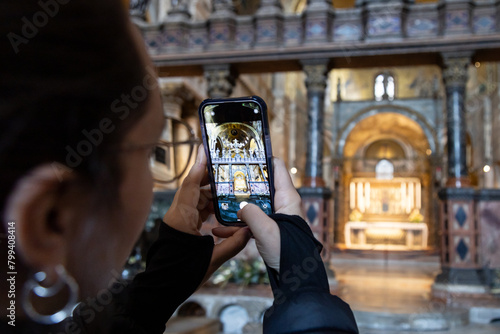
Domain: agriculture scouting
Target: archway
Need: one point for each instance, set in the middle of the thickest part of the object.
(430, 133)
(385, 198)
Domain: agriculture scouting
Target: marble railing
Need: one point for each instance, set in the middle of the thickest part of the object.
(375, 28)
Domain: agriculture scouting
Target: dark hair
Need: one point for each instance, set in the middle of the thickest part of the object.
(65, 64)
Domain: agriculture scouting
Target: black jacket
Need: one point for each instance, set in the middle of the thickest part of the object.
(302, 299)
(176, 265)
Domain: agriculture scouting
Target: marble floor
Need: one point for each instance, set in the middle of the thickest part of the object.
(383, 284)
(390, 293)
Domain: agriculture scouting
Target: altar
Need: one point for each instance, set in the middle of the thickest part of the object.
(386, 213)
(386, 235)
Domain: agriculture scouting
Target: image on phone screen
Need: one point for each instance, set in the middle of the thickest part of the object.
(236, 145)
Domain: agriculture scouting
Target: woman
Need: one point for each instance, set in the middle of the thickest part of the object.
(80, 113)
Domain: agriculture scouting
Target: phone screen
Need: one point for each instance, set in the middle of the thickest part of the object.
(239, 156)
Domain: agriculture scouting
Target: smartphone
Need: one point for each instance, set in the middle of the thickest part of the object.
(237, 143)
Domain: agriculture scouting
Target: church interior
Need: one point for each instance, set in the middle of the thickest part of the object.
(387, 115)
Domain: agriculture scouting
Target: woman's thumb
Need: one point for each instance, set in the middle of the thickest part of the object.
(266, 233)
(256, 219)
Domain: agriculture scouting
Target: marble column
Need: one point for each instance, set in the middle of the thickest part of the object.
(316, 198)
(172, 107)
(462, 273)
(488, 121)
(488, 174)
(221, 80)
(172, 99)
(316, 76)
(455, 74)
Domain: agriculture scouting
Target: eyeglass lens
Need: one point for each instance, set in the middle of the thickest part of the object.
(171, 156)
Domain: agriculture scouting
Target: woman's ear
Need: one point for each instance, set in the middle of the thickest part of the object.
(42, 215)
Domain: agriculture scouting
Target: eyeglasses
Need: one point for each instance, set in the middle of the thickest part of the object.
(171, 156)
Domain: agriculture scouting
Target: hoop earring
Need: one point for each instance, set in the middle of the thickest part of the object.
(33, 286)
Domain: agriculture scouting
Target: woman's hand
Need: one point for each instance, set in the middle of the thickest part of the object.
(265, 230)
(192, 205)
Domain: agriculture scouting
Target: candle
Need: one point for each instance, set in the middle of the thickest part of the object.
(403, 197)
(367, 195)
(361, 198)
(352, 193)
(411, 196)
(418, 196)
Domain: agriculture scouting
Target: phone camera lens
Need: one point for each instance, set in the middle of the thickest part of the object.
(234, 132)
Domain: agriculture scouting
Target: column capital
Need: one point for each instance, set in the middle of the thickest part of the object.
(314, 5)
(223, 7)
(173, 97)
(179, 10)
(221, 80)
(316, 74)
(171, 88)
(455, 68)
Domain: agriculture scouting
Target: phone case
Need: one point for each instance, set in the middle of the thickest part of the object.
(249, 162)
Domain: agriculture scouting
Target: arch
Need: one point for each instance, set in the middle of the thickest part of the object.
(391, 147)
(399, 141)
(344, 132)
(250, 132)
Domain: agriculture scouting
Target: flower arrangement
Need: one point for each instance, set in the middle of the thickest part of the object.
(416, 216)
(242, 272)
(355, 215)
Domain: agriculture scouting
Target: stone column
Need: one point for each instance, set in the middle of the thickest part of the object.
(488, 175)
(316, 76)
(172, 107)
(461, 267)
(488, 137)
(316, 198)
(221, 80)
(279, 124)
(172, 99)
(455, 74)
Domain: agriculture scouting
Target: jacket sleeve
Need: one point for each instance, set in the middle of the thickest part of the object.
(175, 267)
(302, 299)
